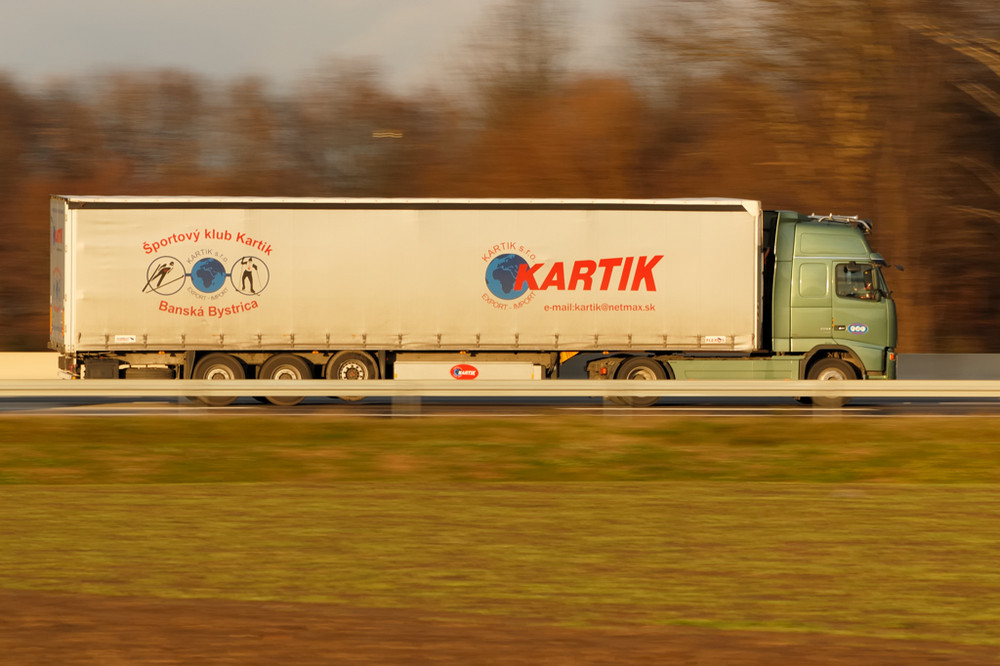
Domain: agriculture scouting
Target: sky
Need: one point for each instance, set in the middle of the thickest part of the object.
(411, 41)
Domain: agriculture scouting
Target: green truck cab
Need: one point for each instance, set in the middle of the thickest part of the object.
(825, 310)
(830, 303)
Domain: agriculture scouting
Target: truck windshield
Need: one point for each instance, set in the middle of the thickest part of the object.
(858, 281)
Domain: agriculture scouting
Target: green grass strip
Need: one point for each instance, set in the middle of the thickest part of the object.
(551, 447)
(880, 527)
(872, 559)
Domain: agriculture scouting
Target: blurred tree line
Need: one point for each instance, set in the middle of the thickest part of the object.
(885, 108)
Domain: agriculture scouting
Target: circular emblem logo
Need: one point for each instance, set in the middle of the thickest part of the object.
(165, 276)
(858, 329)
(501, 275)
(250, 276)
(208, 275)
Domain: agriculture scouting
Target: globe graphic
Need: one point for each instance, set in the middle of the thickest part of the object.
(208, 275)
(501, 275)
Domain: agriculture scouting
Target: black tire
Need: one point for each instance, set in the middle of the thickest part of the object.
(285, 366)
(222, 367)
(640, 367)
(831, 369)
(352, 366)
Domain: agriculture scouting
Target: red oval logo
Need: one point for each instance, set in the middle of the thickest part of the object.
(464, 371)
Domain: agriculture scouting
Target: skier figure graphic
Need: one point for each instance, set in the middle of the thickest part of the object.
(159, 273)
(249, 268)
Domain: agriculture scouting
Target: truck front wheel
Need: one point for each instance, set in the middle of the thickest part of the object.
(831, 369)
(640, 367)
(222, 367)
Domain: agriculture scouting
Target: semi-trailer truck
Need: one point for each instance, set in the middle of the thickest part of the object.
(347, 288)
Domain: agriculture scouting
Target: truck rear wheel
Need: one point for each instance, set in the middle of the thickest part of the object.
(640, 367)
(285, 366)
(352, 365)
(221, 367)
(831, 369)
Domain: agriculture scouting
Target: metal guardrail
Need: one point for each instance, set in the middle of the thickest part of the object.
(28, 388)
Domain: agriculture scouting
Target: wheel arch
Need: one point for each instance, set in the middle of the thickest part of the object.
(821, 352)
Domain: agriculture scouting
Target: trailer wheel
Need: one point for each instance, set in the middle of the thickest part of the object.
(831, 369)
(222, 367)
(640, 367)
(285, 366)
(352, 365)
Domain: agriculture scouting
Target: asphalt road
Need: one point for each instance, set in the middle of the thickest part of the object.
(498, 408)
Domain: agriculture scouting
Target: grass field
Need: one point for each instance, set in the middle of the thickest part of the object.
(886, 528)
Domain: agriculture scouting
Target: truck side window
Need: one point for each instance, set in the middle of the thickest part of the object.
(856, 281)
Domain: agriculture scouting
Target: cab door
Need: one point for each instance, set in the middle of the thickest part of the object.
(861, 311)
